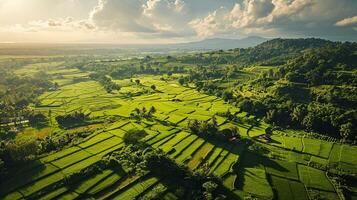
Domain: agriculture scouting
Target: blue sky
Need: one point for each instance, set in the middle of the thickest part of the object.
(170, 21)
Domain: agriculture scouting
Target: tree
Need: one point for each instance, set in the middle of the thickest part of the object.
(152, 110)
(346, 130)
(227, 95)
(2, 169)
(209, 187)
(137, 81)
(153, 87)
(181, 81)
(21, 150)
(133, 136)
(37, 119)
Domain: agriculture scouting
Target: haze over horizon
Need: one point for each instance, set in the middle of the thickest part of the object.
(173, 21)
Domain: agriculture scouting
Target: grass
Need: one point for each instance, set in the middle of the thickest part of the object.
(257, 131)
(96, 139)
(314, 178)
(287, 189)
(107, 182)
(255, 182)
(71, 159)
(287, 174)
(200, 155)
(104, 145)
(226, 165)
(188, 152)
(293, 143)
(282, 169)
(311, 146)
(36, 186)
(218, 160)
(13, 196)
(159, 137)
(215, 153)
(174, 141)
(229, 181)
(137, 189)
(92, 181)
(69, 196)
(60, 154)
(27, 177)
(178, 148)
(54, 194)
(82, 164)
(348, 158)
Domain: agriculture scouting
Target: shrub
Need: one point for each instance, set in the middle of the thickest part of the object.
(133, 136)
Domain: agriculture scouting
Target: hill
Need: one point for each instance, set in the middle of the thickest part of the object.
(220, 43)
(185, 126)
(271, 52)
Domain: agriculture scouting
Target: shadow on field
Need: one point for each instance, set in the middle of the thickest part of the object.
(21, 176)
(253, 160)
(271, 141)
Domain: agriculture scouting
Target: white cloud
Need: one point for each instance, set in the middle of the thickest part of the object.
(347, 21)
(278, 17)
(212, 24)
(119, 15)
(166, 15)
(180, 19)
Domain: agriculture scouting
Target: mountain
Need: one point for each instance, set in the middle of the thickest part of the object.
(220, 43)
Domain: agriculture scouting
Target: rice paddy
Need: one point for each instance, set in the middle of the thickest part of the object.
(264, 176)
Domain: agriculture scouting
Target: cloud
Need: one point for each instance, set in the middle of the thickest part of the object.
(166, 15)
(182, 19)
(347, 21)
(280, 18)
(212, 24)
(62, 25)
(119, 15)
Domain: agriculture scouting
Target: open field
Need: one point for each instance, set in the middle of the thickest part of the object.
(282, 172)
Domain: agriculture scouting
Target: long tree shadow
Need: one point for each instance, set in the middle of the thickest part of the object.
(252, 160)
(21, 175)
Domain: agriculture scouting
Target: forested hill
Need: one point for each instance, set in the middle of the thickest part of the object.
(278, 50)
(326, 65)
(311, 85)
(272, 52)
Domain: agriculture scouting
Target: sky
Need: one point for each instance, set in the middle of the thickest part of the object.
(173, 21)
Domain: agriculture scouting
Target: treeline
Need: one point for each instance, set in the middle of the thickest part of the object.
(19, 92)
(315, 90)
(210, 130)
(72, 119)
(122, 69)
(332, 65)
(138, 158)
(320, 94)
(14, 153)
(108, 84)
(272, 52)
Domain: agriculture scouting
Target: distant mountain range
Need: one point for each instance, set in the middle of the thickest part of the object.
(107, 48)
(220, 43)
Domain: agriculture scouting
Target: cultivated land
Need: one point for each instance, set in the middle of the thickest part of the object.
(74, 114)
(284, 168)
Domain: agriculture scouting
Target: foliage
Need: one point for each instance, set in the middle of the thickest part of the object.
(141, 159)
(133, 136)
(210, 129)
(106, 82)
(143, 112)
(71, 119)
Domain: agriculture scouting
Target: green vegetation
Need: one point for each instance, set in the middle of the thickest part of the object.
(276, 121)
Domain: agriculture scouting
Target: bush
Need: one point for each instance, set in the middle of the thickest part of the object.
(133, 136)
(71, 119)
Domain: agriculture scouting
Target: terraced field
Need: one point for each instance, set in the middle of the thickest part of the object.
(284, 170)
